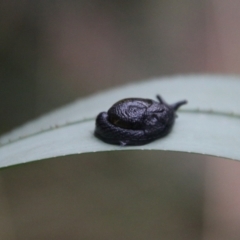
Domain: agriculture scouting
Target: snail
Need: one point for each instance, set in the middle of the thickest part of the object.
(136, 121)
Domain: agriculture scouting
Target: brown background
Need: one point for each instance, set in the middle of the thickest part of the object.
(52, 52)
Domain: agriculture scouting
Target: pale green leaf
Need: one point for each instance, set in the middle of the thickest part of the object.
(208, 124)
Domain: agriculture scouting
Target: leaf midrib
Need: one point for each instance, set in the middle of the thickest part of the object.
(70, 123)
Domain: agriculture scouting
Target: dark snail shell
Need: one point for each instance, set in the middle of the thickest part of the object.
(136, 121)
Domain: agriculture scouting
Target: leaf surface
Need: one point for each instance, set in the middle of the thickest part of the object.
(208, 124)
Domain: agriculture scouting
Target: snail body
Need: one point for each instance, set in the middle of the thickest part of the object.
(136, 121)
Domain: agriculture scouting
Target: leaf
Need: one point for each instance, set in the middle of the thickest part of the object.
(209, 124)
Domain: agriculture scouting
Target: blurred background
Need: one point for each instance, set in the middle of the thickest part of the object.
(52, 52)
